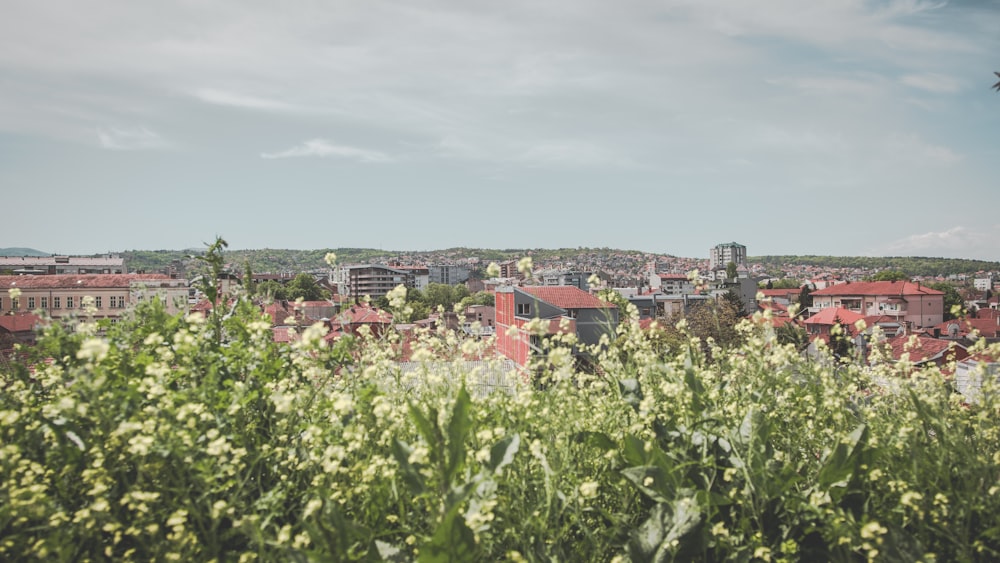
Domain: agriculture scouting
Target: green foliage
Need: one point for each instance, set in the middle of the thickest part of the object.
(912, 265)
(731, 270)
(890, 275)
(304, 286)
(153, 442)
(785, 283)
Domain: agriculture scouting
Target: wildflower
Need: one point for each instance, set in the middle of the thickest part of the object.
(493, 270)
(911, 498)
(524, 266)
(93, 350)
(330, 259)
(872, 530)
(588, 489)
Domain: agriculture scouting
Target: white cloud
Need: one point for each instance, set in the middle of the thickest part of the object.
(912, 148)
(935, 83)
(224, 98)
(324, 148)
(958, 241)
(129, 139)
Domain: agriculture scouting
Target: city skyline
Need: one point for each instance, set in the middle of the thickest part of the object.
(833, 128)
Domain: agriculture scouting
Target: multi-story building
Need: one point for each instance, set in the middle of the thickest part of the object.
(373, 280)
(560, 308)
(62, 295)
(508, 269)
(911, 303)
(722, 254)
(109, 264)
(556, 276)
(448, 274)
(671, 284)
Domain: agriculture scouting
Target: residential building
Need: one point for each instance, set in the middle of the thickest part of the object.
(48, 265)
(448, 274)
(562, 309)
(984, 283)
(508, 269)
(373, 280)
(62, 295)
(722, 254)
(911, 303)
(556, 276)
(671, 283)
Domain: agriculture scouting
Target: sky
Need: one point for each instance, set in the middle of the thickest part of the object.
(831, 127)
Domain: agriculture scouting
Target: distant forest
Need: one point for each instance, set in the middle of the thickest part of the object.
(910, 265)
(281, 260)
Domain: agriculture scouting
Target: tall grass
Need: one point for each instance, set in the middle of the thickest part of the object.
(177, 438)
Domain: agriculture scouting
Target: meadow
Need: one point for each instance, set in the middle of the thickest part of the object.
(191, 438)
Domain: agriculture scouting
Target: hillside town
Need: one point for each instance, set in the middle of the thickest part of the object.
(919, 319)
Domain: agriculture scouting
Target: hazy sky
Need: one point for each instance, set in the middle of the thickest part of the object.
(841, 127)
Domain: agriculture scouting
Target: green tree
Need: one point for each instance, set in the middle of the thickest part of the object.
(271, 289)
(891, 275)
(248, 284)
(791, 333)
(305, 286)
(735, 302)
(805, 297)
(731, 270)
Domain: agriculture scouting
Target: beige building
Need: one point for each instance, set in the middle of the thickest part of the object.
(62, 295)
(18, 265)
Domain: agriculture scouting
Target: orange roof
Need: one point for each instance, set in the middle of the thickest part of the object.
(64, 281)
(566, 297)
(835, 315)
(19, 323)
(925, 348)
(877, 288)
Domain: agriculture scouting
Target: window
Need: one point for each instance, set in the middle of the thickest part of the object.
(523, 309)
(31, 303)
(15, 304)
(572, 313)
(1, 303)
(45, 302)
(69, 302)
(55, 302)
(97, 302)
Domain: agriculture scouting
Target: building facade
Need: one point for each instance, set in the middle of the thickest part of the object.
(722, 254)
(562, 309)
(911, 303)
(63, 295)
(48, 265)
(373, 280)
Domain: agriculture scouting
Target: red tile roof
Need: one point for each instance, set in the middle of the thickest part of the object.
(19, 323)
(833, 315)
(363, 314)
(65, 281)
(566, 297)
(925, 348)
(877, 288)
(986, 327)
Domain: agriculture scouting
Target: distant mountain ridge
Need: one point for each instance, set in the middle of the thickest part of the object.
(22, 252)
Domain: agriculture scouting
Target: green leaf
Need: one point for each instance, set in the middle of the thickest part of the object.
(502, 453)
(411, 476)
(654, 539)
(458, 429)
(452, 540)
(839, 466)
(597, 440)
(651, 481)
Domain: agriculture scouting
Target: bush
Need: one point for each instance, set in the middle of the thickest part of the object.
(179, 438)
